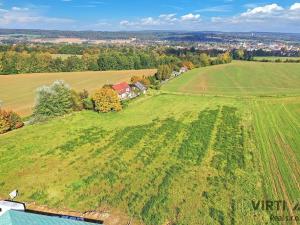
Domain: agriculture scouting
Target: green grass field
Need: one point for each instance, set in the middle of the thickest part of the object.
(18, 91)
(172, 156)
(240, 79)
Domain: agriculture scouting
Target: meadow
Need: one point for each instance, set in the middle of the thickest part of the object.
(273, 58)
(18, 91)
(240, 79)
(175, 156)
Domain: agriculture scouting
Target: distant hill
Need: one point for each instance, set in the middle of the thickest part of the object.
(203, 36)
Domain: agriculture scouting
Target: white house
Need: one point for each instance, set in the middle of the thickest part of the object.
(124, 90)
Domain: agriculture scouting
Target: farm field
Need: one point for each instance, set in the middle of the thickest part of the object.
(18, 92)
(173, 156)
(240, 79)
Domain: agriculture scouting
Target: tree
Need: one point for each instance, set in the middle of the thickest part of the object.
(77, 102)
(238, 54)
(4, 122)
(74, 63)
(135, 79)
(53, 100)
(90, 61)
(106, 100)
(143, 80)
(224, 58)
(163, 72)
(188, 64)
(204, 60)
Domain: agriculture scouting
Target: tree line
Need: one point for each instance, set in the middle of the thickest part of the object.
(22, 59)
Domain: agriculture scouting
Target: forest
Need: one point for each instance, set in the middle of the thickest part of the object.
(26, 58)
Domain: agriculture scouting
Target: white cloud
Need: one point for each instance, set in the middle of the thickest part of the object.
(161, 20)
(272, 17)
(19, 17)
(267, 9)
(190, 17)
(295, 6)
(149, 21)
(168, 17)
(15, 8)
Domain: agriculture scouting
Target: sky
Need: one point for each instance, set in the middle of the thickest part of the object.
(187, 15)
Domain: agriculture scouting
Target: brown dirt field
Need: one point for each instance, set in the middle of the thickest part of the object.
(18, 91)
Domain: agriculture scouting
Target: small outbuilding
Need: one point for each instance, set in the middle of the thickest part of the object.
(140, 87)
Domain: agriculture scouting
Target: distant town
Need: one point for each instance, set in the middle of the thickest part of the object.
(263, 44)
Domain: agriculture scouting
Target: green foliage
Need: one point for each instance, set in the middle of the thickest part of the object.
(239, 54)
(58, 58)
(88, 104)
(204, 60)
(223, 58)
(195, 145)
(163, 72)
(77, 101)
(54, 100)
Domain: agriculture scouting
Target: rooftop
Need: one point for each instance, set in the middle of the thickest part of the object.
(13, 217)
(121, 87)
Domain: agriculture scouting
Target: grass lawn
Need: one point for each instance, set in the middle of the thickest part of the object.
(240, 79)
(18, 91)
(172, 156)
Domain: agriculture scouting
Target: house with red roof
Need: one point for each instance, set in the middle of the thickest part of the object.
(124, 90)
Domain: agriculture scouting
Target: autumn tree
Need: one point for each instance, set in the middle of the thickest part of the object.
(224, 58)
(188, 64)
(9, 121)
(106, 100)
(143, 80)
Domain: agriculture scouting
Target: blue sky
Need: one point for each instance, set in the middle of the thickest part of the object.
(221, 15)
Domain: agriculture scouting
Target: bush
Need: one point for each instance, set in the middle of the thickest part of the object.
(54, 100)
(106, 100)
(77, 101)
(84, 94)
(9, 121)
(88, 104)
